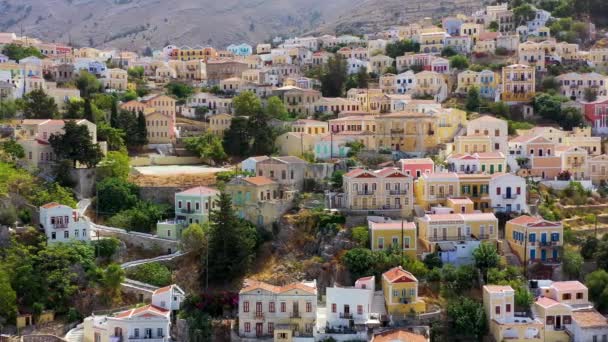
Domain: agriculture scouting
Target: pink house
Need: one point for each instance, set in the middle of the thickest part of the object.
(596, 113)
(415, 167)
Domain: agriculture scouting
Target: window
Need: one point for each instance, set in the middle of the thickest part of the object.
(270, 327)
(136, 332)
(283, 307)
(359, 309)
(53, 236)
(567, 319)
(498, 310)
(308, 306)
(508, 308)
(245, 306)
(97, 337)
(179, 204)
(381, 243)
(579, 295)
(271, 307)
(159, 332)
(75, 232)
(550, 320)
(247, 327)
(66, 234)
(333, 307)
(498, 191)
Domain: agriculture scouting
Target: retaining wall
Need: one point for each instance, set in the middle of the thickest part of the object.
(164, 160)
(144, 241)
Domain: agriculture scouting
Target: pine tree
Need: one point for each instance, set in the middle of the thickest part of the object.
(88, 110)
(236, 138)
(114, 114)
(142, 130)
(263, 137)
(231, 244)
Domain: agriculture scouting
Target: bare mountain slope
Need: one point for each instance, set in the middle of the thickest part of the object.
(136, 24)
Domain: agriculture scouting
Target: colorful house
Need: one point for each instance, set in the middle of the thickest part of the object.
(415, 167)
(386, 233)
(534, 239)
(191, 206)
(400, 289)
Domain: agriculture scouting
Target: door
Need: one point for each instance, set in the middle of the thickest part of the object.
(555, 255)
(532, 254)
(258, 309)
(188, 207)
(259, 329)
(118, 332)
(508, 192)
(491, 168)
(543, 254)
(543, 238)
(558, 322)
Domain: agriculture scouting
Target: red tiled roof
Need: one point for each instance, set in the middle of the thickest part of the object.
(251, 285)
(589, 319)
(572, 285)
(399, 275)
(146, 310)
(259, 180)
(51, 205)
(398, 336)
(546, 302)
(200, 190)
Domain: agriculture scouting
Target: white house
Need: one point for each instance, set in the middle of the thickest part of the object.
(249, 164)
(168, 297)
(508, 193)
(354, 65)
(405, 81)
(283, 312)
(351, 304)
(540, 20)
(63, 224)
(147, 323)
(588, 325)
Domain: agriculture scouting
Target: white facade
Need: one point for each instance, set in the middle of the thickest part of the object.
(508, 193)
(63, 224)
(593, 328)
(540, 20)
(249, 164)
(144, 324)
(496, 129)
(344, 304)
(406, 81)
(354, 65)
(168, 297)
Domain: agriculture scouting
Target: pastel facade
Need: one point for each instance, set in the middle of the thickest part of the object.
(277, 311)
(386, 234)
(385, 189)
(508, 193)
(518, 83)
(598, 169)
(192, 206)
(220, 123)
(63, 224)
(415, 167)
(574, 85)
(498, 302)
(400, 289)
(288, 171)
(534, 239)
(346, 304)
(435, 188)
(488, 162)
(115, 79)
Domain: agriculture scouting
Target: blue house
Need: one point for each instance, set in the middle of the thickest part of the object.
(488, 84)
(240, 49)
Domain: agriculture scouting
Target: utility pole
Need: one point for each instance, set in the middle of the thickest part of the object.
(402, 243)
(526, 254)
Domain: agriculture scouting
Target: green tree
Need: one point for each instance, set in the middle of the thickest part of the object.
(597, 283)
(8, 297)
(399, 48)
(571, 117)
(8, 109)
(572, 263)
(601, 255)
(433, 260)
(75, 144)
(88, 111)
(493, 26)
(468, 317)
(590, 95)
(486, 256)
(523, 297)
(152, 273)
(114, 137)
(334, 77)
(589, 247)
(231, 242)
(112, 278)
(17, 52)
(208, 146)
(180, 90)
(141, 129)
(522, 14)
(194, 238)
(106, 248)
(37, 105)
(359, 262)
(115, 164)
(246, 104)
(276, 109)
(362, 77)
(115, 195)
(136, 72)
(337, 179)
(11, 150)
(448, 51)
(550, 84)
(88, 84)
(459, 62)
(262, 135)
(361, 235)
(237, 139)
(473, 99)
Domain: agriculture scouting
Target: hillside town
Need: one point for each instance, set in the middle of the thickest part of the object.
(444, 180)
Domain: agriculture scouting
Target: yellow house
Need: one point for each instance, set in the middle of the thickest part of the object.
(534, 239)
(407, 131)
(598, 169)
(220, 123)
(400, 289)
(574, 160)
(159, 128)
(456, 226)
(518, 83)
(429, 83)
(449, 121)
(466, 80)
(432, 40)
(498, 303)
(313, 127)
(434, 188)
(477, 188)
(296, 143)
(476, 143)
(386, 233)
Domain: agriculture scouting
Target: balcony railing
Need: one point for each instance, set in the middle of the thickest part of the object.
(511, 196)
(59, 225)
(346, 315)
(548, 243)
(259, 315)
(186, 211)
(397, 131)
(142, 339)
(398, 192)
(295, 314)
(388, 207)
(366, 192)
(451, 238)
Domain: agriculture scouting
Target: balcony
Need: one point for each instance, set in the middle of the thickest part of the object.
(511, 196)
(59, 225)
(295, 314)
(548, 243)
(397, 131)
(365, 192)
(258, 315)
(452, 238)
(346, 315)
(389, 207)
(186, 211)
(398, 192)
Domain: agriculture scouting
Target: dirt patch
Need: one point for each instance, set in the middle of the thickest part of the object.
(179, 180)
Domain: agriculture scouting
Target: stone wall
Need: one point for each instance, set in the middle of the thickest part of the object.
(85, 182)
(164, 160)
(144, 241)
(160, 195)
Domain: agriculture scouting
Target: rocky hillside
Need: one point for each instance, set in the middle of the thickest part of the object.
(137, 24)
